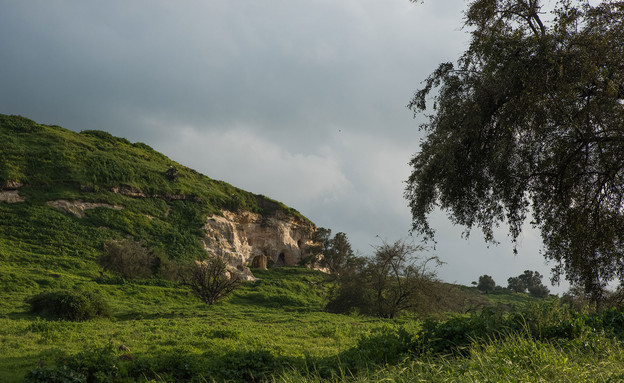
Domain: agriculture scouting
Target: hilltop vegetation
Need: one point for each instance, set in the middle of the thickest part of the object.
(93, 164)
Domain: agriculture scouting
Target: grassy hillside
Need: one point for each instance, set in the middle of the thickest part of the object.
(53, 162)
(44, 249)
(38, 242)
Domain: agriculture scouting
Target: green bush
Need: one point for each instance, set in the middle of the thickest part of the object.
(545, 322)
(69, 304)
(170, 367)
(129, 259)
(90, 366)
(246, 366)
(457, 333)
(386, 346)
(59, 374)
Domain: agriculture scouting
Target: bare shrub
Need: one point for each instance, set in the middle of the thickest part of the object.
(210, 280)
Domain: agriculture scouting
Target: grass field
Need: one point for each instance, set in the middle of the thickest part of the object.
(275, 329)
(281, 314)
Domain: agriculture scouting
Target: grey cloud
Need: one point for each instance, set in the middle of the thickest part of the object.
(301, 101)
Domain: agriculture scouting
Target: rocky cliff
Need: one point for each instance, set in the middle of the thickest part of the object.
(249, 239)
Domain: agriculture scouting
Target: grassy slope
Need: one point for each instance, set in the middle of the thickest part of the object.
(38, 243)
(280, 313)
(54, 162)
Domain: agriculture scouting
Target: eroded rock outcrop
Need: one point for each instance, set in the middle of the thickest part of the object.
(11, 196)
(249, 239)
(9, 192)
(78, 207)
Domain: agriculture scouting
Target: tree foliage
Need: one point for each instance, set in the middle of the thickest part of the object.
(530, 122)
(333, 254)
(397, 276)
(516, 284)
(486, 284)
(338, 254)
(531, 280)
(395, 279)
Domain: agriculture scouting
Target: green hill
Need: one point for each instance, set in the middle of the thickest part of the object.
(49, 163)
(52, 162)
(130, 191)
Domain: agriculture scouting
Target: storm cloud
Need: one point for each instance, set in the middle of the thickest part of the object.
(301, 101)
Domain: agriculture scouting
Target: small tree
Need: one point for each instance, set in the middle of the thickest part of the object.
(516, 284)
(338, 254)
(210, 279)
(321, 239)
(531, 280)
(396, 277)
(539, 291)
(334, 254)
(390, 282)
(486, 284)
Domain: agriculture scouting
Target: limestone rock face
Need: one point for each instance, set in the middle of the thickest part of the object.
(9, 192)
(78, 207)
(11, 196)
(249, 239)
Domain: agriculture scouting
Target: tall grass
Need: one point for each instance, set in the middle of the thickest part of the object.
(516, 359)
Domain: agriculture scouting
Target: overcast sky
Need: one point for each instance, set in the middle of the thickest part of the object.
(302, 101)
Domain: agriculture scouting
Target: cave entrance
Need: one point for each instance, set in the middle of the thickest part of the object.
(281, 260)
(259, 262)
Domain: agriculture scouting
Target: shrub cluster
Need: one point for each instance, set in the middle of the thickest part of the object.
(107, 364)
(129, 259)
(550, 321)
(71, 305)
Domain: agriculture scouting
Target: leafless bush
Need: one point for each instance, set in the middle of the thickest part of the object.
(210, 280)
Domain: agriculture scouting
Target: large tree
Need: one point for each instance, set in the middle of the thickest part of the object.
(529, 122)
